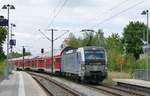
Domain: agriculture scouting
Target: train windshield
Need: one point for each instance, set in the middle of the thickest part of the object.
(94, 54)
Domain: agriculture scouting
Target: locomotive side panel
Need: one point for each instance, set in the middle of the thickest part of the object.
(70, 63)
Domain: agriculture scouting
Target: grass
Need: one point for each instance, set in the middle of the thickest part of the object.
(116, 75)
(1, 68)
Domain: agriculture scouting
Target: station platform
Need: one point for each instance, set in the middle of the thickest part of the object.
(20, 84)
(134, 83)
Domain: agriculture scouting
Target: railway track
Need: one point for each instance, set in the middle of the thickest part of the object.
(116, 91)
(54, 88)
(106, 89)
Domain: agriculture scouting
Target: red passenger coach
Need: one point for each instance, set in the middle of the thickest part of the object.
(33, 63)
(40, 63)
(57, 63)
(17, 62)
(48, 64)
(20, 64)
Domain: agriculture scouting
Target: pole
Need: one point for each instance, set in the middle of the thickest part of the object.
(52, 51)
(11, 37)
(8, 35)
(6, 70)
(147, 40)
(23, 53)
(120, 70)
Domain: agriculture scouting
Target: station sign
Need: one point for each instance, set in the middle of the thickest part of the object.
(3, 22)
(12, 42)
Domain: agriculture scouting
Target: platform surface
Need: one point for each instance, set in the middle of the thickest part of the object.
(20, 84)
(134, 82)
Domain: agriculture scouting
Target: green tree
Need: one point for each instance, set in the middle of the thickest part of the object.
(114, 49)
(114, 41)
(88, 39)
(99, 39)
(73, 41)
(132, 38)
(3, 33)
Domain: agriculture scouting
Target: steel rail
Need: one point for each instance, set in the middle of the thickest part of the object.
(62, 86)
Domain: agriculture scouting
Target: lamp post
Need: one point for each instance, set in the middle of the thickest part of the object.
(146, 12)
(8, 7)
(12, 25)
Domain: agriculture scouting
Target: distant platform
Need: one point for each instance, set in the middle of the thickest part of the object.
(134, 83)
(20, 84)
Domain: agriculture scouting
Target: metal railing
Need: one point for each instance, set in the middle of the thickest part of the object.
(142, 74)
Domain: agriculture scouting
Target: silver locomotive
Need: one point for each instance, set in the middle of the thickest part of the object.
(85, 63)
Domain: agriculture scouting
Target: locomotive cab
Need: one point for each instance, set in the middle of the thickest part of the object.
(94, 64)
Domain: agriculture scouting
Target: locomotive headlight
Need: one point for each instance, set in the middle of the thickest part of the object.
(83, 67)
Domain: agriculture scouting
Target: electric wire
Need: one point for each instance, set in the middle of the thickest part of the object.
(58, 12)
(54, 10)
(117, 14)
(119, 4)
(44, 35)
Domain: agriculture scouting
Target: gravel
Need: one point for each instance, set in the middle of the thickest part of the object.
(80, 88)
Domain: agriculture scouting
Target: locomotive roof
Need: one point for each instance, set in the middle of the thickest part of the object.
(94, 47)
(63, 50)
(57, 52)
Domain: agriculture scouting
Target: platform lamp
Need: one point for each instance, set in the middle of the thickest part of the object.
(146, 12)
(8, 7)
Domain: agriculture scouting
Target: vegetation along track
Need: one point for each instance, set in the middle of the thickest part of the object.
(116, 91)
(52, 87)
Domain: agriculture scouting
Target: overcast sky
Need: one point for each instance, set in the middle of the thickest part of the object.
(32, 15)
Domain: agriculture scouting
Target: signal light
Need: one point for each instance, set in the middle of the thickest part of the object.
(42, 50)
(24, 50)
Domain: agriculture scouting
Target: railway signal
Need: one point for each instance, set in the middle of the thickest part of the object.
(23, 54)
(42, 50)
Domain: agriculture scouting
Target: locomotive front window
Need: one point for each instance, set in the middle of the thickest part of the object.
(94, 54)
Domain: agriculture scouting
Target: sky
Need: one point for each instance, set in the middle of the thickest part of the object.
(30, 16)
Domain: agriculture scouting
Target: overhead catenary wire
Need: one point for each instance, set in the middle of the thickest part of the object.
(61, 35)
(55, 15)
(55, 38)
(119, 4)
(117, 14)
(44, 35)
(114, 7)
(54, 10)
(58, 12)
(105, 19)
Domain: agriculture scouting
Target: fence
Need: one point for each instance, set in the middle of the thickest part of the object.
(142, 74)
